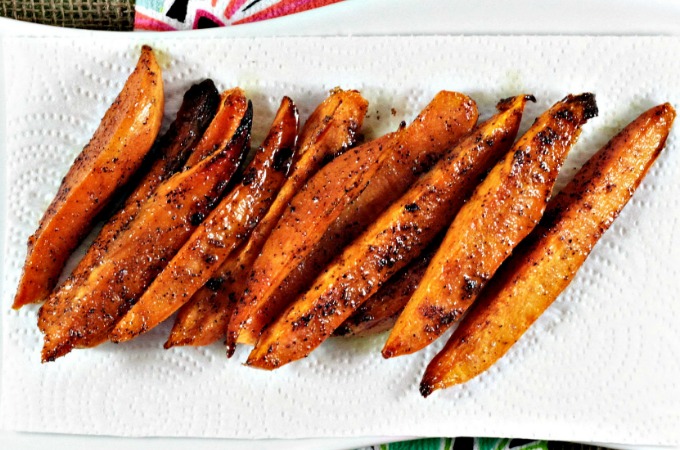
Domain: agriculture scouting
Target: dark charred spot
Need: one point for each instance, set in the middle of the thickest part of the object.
(75, 334)
(564, 114)
(249, 176)
(590, 109)
(303, 321)
(210, 259)
(412, 207)
(547, 136)
(386, 262)
(438, 315)
(282, 159)
(214, 284)
(328, 157)
(425, 389)
(343, 330)
(196, 218)
(471, 287)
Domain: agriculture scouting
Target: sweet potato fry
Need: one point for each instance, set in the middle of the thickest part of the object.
(232, 108)
(113, 155)
(329, 131)
(400, 234)
(338, 202)
(169, 153)
(85, 316)
(546, 262)
(379, 313)
(504, 208)
(229, 225)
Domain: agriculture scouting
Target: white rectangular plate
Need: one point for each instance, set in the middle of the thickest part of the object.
(600, 365)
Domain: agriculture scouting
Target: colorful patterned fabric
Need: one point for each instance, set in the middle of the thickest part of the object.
(169, 15)
(462, 444)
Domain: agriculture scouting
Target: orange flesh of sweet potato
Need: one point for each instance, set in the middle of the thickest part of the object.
(113, 155)
(85, 316)
(400, 234)
(169, 153)
(329, 131)
(339, 233)
(363, 181)
(504, 208)
(547, 261)
(380, 311)
(229, 225)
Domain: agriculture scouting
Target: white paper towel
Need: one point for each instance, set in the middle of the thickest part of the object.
(601, 365)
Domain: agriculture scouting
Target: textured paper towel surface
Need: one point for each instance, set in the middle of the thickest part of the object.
(602, 364)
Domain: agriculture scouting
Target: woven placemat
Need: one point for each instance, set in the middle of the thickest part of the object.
(114, 15)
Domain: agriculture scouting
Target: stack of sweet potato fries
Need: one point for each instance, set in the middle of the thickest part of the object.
(444, 221)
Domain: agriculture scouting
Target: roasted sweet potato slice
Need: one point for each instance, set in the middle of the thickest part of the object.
(232, 108)
(329, 131)
(400, 234)
(229, 225)
(167, 157)
(504, 208)
(85, 316)
(338, 202)
(546, 262)
(380, 312)
(113, 155)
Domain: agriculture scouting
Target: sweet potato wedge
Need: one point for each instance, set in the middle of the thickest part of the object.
(167, 157)
(546, 262)
(380, 312)
(227, 226)
(113, 155)
(85, 316)
(504, 208)
(400, 234)
(232, 108)
(338, 202)
(328, 132)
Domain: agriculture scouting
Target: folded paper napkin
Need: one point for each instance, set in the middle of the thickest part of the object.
(173, 15)
(601, 365)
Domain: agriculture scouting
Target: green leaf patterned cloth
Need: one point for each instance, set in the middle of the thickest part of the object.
(462, 444)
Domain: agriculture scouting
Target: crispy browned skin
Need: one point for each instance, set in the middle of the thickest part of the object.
(165, 221)
(379, 313)
(229, 225)
(400, 234)
(115, 152)
(329, 131)
(547, 261)
(505, 207)
(339, 201)
(231, 110)
(169, 154)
